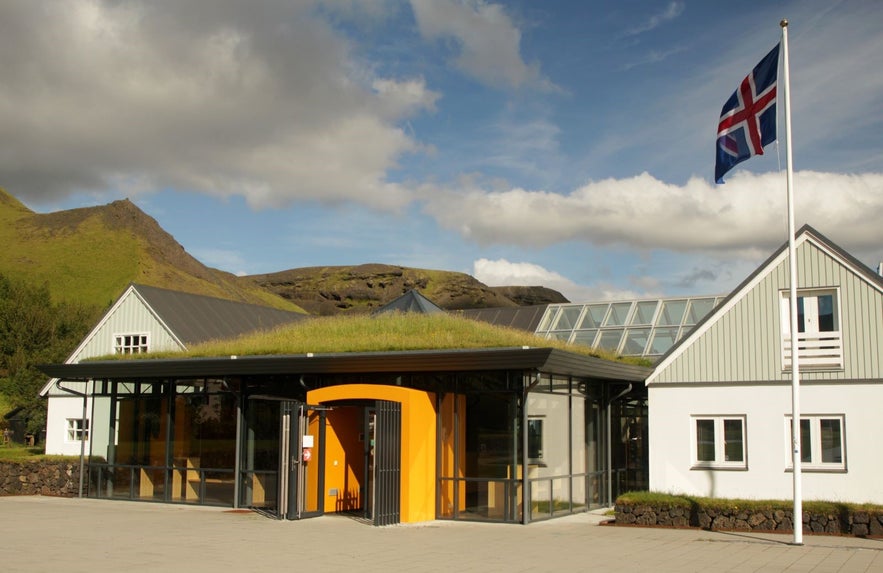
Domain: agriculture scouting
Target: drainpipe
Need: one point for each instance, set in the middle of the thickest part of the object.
(525, 484)
(609, 444)
(82, 441)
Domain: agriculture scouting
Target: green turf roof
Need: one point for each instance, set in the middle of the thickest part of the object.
(383, 333)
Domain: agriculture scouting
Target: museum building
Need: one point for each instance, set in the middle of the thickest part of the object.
(504, 434)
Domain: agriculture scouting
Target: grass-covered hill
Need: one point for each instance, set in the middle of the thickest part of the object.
(362, 288)
(90, 255)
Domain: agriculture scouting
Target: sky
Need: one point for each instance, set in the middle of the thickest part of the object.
(562, 143)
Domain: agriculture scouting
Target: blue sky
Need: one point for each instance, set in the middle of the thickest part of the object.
(568, 144)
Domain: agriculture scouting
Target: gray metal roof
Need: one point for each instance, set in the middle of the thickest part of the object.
(521, 317)
(547, 360)
(196, 318)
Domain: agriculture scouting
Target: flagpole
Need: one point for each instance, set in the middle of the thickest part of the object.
(797, 517)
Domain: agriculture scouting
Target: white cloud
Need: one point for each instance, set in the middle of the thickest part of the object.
(672, 11)
(263, 101)
(745, 218)
(502, 272)
(488, 40)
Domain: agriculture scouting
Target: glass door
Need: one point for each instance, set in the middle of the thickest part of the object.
(263, 442)
(306, 469)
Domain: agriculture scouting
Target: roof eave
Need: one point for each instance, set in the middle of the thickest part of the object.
(540, 359)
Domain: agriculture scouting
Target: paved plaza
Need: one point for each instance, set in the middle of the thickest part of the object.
(70, 535)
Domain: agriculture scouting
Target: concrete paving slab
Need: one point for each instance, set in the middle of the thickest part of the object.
(57, 534)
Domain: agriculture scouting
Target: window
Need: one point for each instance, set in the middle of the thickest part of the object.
(821, 442)
(535, 440)
(77, 430)
(645, 310)
(635, 341)
(619, 312)
(818, 327)
(719, 442)
(129, 343)
(567, 318)
(672, 313)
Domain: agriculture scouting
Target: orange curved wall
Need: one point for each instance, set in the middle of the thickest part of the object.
(418, 445)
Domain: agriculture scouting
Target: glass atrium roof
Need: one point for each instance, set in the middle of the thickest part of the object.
(647, 327)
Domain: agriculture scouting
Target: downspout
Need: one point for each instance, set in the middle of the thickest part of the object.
(82, 441)
(525, 484)
(610, 444)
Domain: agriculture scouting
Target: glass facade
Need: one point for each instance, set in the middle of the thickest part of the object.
(479, 450)
(171, 442)
(511, 446)
(484, 466)
(630, 328)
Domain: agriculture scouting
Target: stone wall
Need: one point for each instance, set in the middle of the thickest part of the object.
(848, 522)
(40, 477)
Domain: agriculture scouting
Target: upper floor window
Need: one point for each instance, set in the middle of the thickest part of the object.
(819, 341)
(129, 343)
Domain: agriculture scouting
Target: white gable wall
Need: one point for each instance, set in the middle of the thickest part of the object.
(732, 366)
(744, 343)
(130, 315)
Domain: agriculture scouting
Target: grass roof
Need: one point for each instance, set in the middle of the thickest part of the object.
(382, 333)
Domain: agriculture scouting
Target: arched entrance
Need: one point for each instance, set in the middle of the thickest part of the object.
(380, 451)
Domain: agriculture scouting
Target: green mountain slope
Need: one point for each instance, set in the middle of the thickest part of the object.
(90, 255)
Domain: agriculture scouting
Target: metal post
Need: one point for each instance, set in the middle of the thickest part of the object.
(792, 260)
(237, 456)
(85, 396)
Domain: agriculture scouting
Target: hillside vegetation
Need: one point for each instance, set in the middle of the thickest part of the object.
(363, 288)
(34, 330)
(89, 256)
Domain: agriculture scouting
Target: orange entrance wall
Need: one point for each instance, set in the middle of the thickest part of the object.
(418, 445)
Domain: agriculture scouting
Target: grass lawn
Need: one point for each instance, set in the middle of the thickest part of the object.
(19, 453)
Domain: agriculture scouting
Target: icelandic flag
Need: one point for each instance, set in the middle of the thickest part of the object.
(748, 119)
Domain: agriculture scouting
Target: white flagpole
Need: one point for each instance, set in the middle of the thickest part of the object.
(792, 259)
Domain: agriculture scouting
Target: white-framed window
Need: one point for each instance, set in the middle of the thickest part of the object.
(822, 442)
(77, 430)
(819, 337)
(719, 442)
(130, 343)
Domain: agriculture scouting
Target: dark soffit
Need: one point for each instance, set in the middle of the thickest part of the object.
(547, 360)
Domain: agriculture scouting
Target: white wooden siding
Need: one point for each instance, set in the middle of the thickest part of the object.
(130, 317)
(744, 345)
